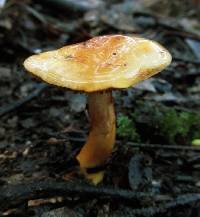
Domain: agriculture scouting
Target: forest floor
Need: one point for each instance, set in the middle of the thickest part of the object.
(155, 167)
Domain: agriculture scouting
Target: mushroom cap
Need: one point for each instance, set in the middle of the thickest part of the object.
(103, 62)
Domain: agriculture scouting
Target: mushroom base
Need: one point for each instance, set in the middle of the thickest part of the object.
(101, 138)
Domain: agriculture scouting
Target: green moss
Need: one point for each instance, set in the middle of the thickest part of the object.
(173, 126)
(182, 126)
(126, 128)
(158, 123)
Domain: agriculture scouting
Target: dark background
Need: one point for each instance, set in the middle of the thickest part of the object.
(43, 127)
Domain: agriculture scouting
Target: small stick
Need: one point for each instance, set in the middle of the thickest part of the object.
(169, 147)
(143, 145)
(16, 105)
(12, 196)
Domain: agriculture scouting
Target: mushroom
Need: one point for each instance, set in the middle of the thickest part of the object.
(97, 67)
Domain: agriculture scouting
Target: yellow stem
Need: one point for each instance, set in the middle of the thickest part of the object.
(101, 138)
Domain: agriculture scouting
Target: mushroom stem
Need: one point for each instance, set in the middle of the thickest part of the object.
(101, 138)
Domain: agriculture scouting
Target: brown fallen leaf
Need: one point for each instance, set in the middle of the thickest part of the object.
(39, 202)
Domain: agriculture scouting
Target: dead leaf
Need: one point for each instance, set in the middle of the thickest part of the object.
(78, 102)
(39, 202)
(194, 46)
(146, 85)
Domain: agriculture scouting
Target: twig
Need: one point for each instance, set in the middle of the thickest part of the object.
(142, 145)
(169, 147)
(13, 195)
(16, 105)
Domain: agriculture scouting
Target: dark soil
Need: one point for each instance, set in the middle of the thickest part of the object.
(155, 167)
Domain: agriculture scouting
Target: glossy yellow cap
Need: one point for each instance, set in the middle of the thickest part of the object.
(103, 62)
